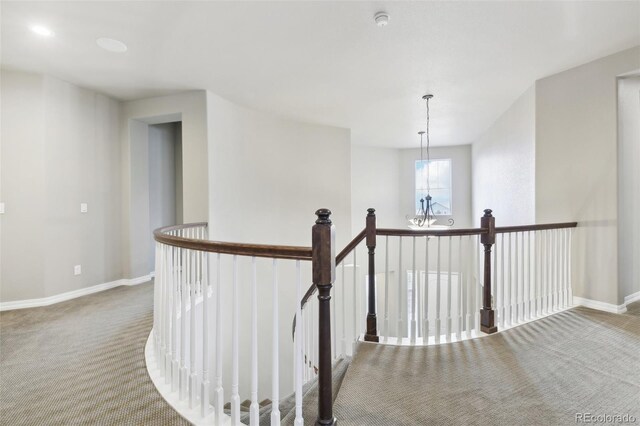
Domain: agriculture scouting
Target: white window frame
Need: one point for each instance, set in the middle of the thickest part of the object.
(415, 188)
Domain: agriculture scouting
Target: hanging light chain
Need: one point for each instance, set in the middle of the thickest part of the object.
(428, 143)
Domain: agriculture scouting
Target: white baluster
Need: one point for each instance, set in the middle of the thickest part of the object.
(425, 310)
(275, 373)
(414, 285)
(204, 387)
(548, 288)
(358, 298)
(534, 271)
(460, 303)
(529, 306)
(556, 270)
(399, 332)
(334, 346)
(544, 279)
(479, 283)
(343, 302)
(235, 338)
(494, 276)
(356, 302)
(509, 285)
(569, 267)
(254, 410)
(299, 421)
(552, 270)
(156, 297)
(310, 328)
(219, 391)
(175, 291)
(386, 288)
(501, 299)
(438, 315)
(468, 287)
(539, 274)
(418, 303)
(169, 319)
(449, 284)
(522, 278)
(183, 325)
(160, 281)
(516, 286)
(565, 293)
(193, 378)
(314, 336)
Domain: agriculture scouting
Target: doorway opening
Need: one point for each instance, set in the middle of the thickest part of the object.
(165, 179)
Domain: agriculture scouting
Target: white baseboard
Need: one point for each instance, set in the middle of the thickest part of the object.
(634, 297)
(601, 306)
(46, 301)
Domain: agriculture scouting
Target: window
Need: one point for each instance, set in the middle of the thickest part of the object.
(440, 185)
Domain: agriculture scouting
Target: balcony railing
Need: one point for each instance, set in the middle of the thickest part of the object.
(220, 309)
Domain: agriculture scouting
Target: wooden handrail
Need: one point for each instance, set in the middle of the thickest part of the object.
(430, 232)
(541, 227)
(339, 258)
(349, 247)
(240, 249)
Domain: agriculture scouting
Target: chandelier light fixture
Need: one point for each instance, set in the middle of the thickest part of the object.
(425, 218)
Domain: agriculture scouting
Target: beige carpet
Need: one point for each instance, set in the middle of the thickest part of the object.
(81, 362)
(543, 373)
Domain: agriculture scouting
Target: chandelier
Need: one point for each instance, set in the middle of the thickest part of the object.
(425, 217)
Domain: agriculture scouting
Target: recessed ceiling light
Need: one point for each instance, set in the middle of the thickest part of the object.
(42, 31)
(112, 45)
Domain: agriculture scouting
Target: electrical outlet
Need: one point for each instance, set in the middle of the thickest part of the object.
(84, 208)
(77, 270)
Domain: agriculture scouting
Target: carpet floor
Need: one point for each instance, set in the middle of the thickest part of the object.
(541, 373)
(81, 362)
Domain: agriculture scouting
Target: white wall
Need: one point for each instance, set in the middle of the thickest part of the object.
(460, 186)
(503, 163)
(59, 149)
(629, 184)
(576, 166)
(375, 182)
(22, 186)
(269, 175)
(191, 109)
(267, 178)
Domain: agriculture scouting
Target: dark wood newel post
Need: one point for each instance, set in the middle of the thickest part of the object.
(487, 314)
(323, 259)
(371, 334)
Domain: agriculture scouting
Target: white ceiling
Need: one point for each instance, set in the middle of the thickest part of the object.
(326, 62)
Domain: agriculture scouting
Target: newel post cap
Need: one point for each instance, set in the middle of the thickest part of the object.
(487, 213)
(323, 217)
(371, 211)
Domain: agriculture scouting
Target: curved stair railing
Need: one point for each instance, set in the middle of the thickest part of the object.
(191, 282)
(430, 287)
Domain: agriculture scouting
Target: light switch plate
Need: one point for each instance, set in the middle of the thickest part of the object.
(84, 208)
(77, 270)
(1, 208)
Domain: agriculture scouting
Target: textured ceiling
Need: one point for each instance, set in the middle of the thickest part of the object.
(325, 62)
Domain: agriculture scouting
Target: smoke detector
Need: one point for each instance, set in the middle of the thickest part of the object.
(381, 18)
